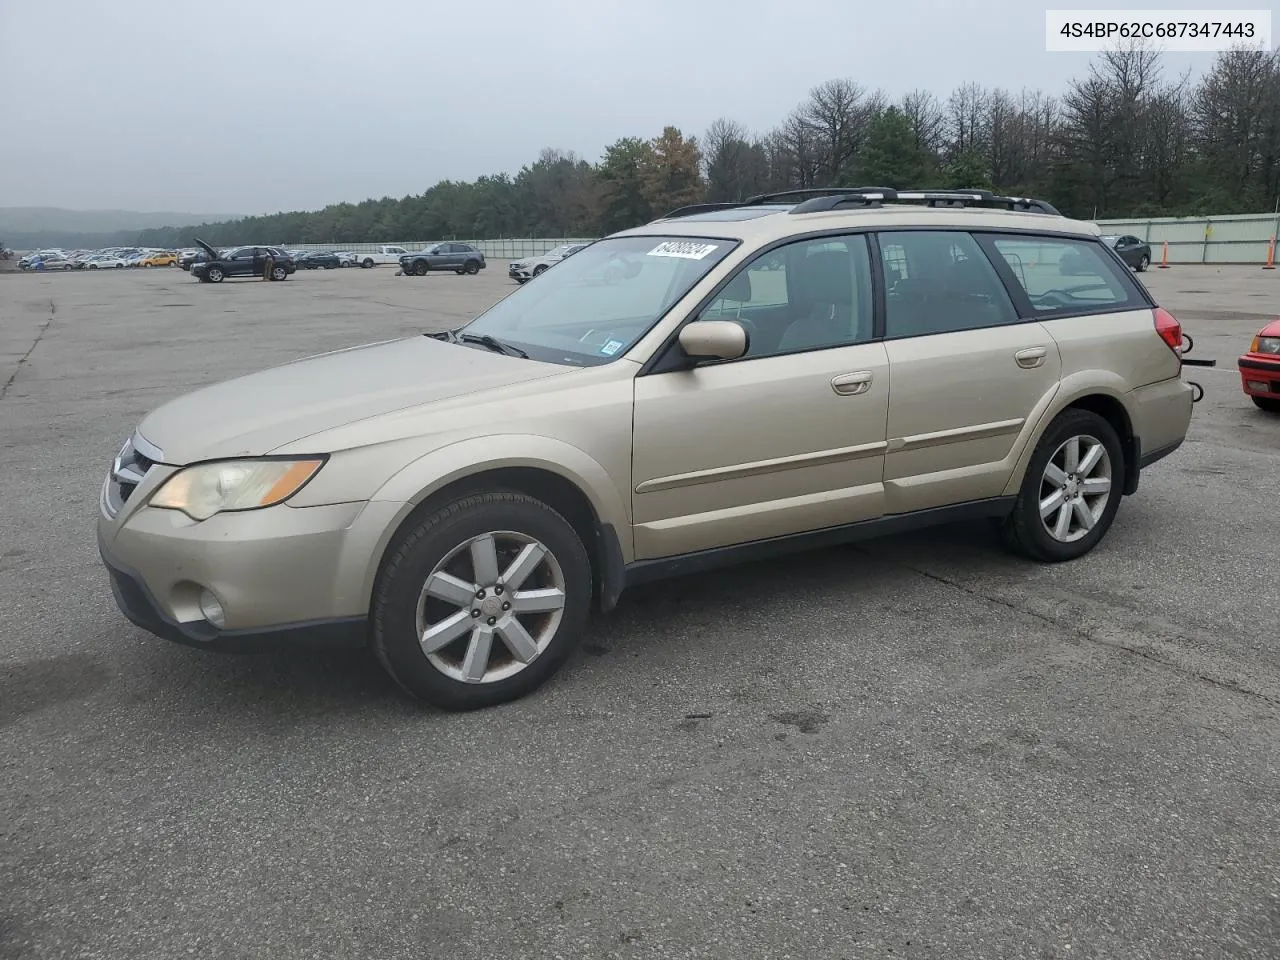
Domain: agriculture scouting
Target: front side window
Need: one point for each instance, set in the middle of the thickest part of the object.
(940, 281)
(1066, 275)
(597, 303)
(803, 296)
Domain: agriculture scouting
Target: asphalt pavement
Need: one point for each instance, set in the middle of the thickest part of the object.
(919, 747)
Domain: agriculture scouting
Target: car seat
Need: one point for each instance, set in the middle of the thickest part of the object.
(822, 285)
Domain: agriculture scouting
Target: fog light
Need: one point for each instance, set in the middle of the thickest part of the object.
(1257, 385)
(212, 610)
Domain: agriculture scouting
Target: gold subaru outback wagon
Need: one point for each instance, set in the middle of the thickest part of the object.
(729, 381)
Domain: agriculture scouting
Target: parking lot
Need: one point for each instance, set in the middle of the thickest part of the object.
(918, 747)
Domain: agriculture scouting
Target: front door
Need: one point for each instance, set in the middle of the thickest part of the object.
(786, 439)
(969, 375)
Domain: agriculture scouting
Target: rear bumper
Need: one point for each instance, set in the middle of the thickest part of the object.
(1260, 375)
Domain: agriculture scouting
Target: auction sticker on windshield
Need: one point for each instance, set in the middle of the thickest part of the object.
(683, 249)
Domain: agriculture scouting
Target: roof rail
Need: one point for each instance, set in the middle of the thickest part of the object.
(866, 193)
(935, 198)
(690, 209)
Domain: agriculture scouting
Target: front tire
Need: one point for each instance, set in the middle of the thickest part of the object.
(1071, 490)
(481, 601)
(420, 269)
(214, 275)
(540, 269)
(1143, 263)
(1267, 404)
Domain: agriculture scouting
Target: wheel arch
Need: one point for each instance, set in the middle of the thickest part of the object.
(556, 473)
(1102, 393)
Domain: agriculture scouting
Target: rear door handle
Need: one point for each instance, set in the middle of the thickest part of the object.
(1030, 357)
(851, 384)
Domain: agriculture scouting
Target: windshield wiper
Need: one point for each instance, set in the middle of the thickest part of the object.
(449, 336)
(493, 343)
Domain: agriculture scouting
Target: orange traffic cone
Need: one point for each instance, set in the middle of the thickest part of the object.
(1164, 257)
(1271, 255)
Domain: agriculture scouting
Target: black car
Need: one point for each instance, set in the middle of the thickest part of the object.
(458, 257)
(1136, 253)
(319, 260)
(241, 262)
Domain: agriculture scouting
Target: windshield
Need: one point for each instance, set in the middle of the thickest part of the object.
(594, 305)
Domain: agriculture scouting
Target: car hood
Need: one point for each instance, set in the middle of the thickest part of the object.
(253, 415)
(211, 253)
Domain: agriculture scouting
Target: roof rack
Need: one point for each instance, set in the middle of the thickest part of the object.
(817, 199)
(933, 198)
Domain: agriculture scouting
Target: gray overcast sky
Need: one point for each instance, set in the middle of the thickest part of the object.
(247, 107)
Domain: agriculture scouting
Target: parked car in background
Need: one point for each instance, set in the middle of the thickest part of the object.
(1136, 253)
(162, 258)
(383, 255)
(29, 259)
(522, 271)
(242, 262)
(347, 258)
(103, 261)
(458, 257)
(1260, 368)
(51, 262)
(319, 260)
(188, 257)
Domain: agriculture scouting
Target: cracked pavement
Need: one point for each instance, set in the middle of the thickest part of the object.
(917, 747)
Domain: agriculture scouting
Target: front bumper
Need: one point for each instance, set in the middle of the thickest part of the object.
(1260, 375)
(283, 577)
(518, 273)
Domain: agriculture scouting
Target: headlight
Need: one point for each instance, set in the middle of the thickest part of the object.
(226, 485)
(1265, 345)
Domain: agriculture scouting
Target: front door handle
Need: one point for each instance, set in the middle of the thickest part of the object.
(851, 384)
(1030, 357)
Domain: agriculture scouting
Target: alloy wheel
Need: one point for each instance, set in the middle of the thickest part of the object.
(491, 607)
(1075, 488)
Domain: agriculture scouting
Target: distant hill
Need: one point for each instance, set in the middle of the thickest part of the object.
(24, 228)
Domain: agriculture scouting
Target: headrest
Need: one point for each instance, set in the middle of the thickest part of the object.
(827, 277)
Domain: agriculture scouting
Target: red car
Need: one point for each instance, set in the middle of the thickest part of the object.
(1260, 368)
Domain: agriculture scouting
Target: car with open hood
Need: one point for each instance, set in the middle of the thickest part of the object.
(728, 382)
(250, 261)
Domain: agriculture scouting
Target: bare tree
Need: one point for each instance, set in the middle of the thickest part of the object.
(837, 115)
(928, 122)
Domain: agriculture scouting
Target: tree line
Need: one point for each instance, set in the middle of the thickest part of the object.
(1126, 140)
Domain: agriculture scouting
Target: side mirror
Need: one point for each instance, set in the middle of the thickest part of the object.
(714, 340)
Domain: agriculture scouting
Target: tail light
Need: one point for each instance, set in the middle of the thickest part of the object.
(1170, 330)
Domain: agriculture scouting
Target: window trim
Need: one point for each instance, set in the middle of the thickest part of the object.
(1141, 297)
(666, 358)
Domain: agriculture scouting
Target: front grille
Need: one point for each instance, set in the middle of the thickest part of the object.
(129, 469)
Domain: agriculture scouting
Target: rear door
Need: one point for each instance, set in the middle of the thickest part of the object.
(968, 376)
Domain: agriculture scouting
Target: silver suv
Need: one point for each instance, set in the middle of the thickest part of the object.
(730, 381)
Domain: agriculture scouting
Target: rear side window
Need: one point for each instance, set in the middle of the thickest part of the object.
(939, 281)
(1062, 275)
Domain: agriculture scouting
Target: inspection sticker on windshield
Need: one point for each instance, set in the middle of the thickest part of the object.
(612, 347)
(683, 249)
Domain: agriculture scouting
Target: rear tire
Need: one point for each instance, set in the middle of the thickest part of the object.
(279, 273)
(1055, 517)
(1267, 404)
(403, 613)
(472, 267)
(367, 263)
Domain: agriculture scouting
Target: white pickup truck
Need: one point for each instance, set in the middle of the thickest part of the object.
(384, 254)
